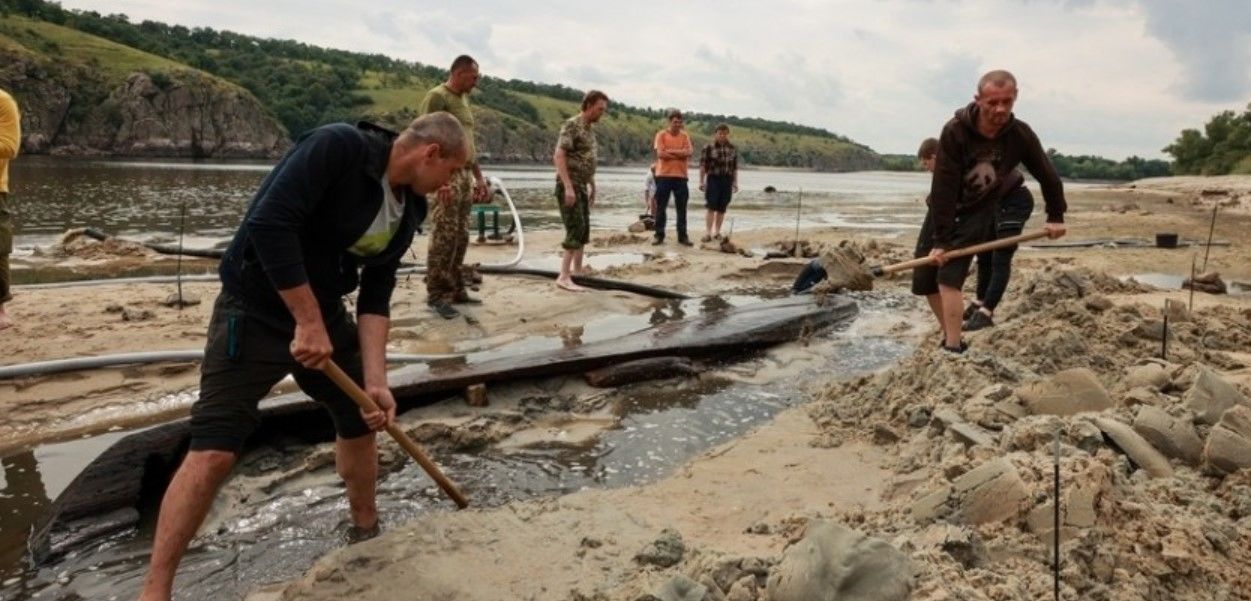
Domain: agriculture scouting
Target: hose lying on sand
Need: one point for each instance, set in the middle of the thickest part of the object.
(588, 281)
(506, 268)
(495, 183)
(39, 368)
(164, 249)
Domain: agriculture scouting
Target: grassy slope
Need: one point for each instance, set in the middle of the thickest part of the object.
(114, 61)
(54, 44)
(391, 98)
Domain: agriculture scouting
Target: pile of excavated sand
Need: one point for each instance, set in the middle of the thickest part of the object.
(76, 244)
(1156, 490)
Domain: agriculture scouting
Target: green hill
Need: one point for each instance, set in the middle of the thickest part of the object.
(303, 86)
(83, 94)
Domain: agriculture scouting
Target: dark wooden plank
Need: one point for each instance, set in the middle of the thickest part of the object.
(737, 329)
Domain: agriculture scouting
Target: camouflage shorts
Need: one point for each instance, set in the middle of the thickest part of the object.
(577, 219)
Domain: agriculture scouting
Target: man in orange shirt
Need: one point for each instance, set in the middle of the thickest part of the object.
(673, 148)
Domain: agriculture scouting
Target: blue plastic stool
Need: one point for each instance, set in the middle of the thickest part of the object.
(481, 210)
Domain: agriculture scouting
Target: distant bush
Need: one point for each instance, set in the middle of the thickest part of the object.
(1094, 167)
(1223, 147)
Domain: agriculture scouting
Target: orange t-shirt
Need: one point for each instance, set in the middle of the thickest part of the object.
(668, 141)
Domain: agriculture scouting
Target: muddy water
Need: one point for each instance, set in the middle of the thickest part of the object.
(284, 525)
(1173, 281)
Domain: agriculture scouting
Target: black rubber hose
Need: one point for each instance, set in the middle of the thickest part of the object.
(589, 282)
(164, 249)
(39, 368)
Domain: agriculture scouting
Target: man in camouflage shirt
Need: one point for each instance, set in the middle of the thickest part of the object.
(449, 240)
(575, 183)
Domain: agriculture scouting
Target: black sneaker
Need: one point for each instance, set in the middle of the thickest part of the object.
(657, 241)
(356, 534)
(443, 309)
(970, 310)
(964, 346)
(978, 321)
(465, 299)
(685, 242)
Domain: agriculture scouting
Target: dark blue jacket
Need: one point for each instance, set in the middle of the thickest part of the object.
(315, 204)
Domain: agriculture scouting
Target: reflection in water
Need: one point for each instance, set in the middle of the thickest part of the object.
(23, 500)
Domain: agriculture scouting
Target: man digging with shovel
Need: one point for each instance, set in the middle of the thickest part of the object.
(979, 151)
(337, 213)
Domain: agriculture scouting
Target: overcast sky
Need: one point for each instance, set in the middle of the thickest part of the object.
(1108, 77)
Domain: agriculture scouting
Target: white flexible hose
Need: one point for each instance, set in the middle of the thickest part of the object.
(497, 184)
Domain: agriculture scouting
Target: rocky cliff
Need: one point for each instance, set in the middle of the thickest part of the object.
(183, 113)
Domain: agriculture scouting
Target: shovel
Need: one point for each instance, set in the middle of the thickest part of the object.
(957, 253)
(366, 402)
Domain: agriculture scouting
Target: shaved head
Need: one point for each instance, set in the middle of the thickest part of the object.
(997, 78)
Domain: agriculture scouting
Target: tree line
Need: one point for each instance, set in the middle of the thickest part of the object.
(1069, 167)
(1222, 148)
(305, 85)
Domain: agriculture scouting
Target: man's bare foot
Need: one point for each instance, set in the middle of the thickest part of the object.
(569, 285)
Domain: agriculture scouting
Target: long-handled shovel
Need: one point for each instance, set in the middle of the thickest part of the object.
(957, 253)
(345, 383)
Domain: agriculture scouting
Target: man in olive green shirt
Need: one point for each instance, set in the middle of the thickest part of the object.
(10, 143)
(449, 238)
(575, 183)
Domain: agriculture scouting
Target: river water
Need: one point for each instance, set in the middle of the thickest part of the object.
(145, 200)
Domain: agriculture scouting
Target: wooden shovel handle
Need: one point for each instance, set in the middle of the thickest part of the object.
(959, 252)
(366, 402)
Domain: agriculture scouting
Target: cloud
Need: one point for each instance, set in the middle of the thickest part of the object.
(1211, 39)
(953, 80)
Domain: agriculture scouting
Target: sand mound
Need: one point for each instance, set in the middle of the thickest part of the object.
(973, 460)
(76, 244)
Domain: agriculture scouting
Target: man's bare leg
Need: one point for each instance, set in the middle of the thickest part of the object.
(577, 262)
(565, 280)
(5, 322)
(356, 461)
(187, 501)
(952, 304)
(936, 305)
(709, 220)
(717, 223)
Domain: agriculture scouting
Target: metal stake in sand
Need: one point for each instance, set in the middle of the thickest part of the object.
(1164, 342)
(1211, 230)
(1193, 260)
(182, 228)
(1055, 523)
(799, 208)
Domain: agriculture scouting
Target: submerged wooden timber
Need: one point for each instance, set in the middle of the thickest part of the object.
(113, 490)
